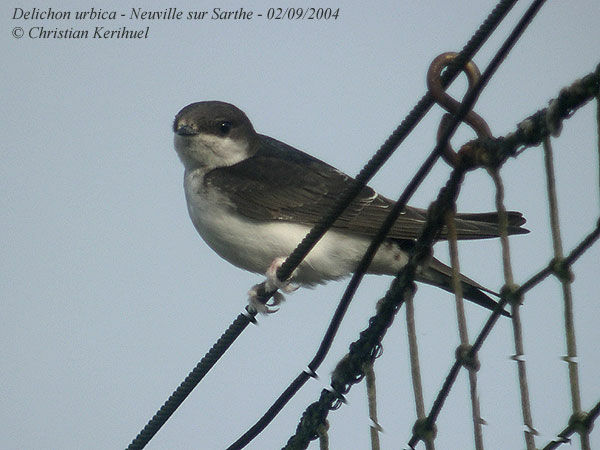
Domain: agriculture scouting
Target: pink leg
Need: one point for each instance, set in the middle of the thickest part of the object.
(271, 284)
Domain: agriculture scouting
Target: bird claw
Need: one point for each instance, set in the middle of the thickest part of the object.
(272, 284)
(270, 306)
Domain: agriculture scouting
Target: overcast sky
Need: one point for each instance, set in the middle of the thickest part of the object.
(109, 297)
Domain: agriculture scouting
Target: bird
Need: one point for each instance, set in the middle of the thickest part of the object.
(253, 198)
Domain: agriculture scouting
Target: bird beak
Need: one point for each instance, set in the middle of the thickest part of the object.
(185, 130)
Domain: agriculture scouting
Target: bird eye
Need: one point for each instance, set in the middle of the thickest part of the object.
(225, 127)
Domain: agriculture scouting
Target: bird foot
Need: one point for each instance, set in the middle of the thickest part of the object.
(256, 294)
(255, 299)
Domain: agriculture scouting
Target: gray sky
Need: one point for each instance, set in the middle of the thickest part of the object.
(109, 297)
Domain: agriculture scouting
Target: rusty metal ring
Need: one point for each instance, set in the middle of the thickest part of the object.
(434, 84)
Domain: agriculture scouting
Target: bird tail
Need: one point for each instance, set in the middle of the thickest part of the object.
(485, 225)
(440, 275)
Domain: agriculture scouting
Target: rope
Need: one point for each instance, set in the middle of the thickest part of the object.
(519, 356)
(415, 370)
(472, 365)
(394, 140)
(374, 428)
(380, 157)
(190, 382)
(565, 280)
(421, 246)
(530, 132)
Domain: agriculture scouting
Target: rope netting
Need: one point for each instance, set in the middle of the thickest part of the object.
(486, 153)
(490, 154)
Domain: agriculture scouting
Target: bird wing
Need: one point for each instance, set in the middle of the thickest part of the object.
(281, 183)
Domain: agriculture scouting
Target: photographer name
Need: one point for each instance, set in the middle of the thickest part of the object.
(96, 33)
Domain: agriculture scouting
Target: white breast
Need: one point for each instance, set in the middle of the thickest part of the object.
(254, 245)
